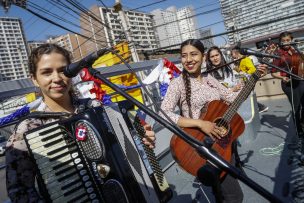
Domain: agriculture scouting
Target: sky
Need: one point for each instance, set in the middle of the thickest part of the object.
(37, 29)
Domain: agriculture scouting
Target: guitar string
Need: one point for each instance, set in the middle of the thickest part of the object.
(239, 100)
(251, 83)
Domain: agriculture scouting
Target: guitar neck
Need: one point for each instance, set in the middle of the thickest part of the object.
(242, 96)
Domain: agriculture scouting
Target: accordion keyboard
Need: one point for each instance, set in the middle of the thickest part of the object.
(62, 169)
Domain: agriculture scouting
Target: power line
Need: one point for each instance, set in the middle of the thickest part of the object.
(151, 4)
(52, 14)
(200, 28)
(103, 4)
(64, 7)
(87, 38)
(56, 16)
(60, 17)
(240, 29)
(32, 18)
(202, 13)
(204, 6)
(87, 12)
(54, 23)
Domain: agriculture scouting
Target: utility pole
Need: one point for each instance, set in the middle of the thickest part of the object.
(124, 21)
(140, 74)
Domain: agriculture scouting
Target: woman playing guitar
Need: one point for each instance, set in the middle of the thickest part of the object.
(293, 88)
(192, 92)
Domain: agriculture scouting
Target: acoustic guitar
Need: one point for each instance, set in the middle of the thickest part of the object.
(296, 65)
(226, 117)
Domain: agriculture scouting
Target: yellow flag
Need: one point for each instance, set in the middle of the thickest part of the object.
(246, 65)
(125, 79)
(111, 59)
(30, 97)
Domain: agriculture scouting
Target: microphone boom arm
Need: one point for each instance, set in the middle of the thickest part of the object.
(221, 66)
(281, 69)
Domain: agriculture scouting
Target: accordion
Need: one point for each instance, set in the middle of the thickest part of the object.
(92, 157)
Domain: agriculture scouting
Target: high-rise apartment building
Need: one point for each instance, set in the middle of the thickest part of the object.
(174, 26)
(34, 44)
(94, 30)
(206, 33)
(106, 29)
(71, 42)
(187, 23)
(13, 50)
(167, 28)
(239, 14)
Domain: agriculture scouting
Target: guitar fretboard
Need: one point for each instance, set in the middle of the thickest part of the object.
(242, 96)
(150, 152)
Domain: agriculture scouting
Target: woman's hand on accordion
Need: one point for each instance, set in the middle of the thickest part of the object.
(150, 138)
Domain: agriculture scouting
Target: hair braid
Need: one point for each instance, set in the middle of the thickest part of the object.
(188, 90)
(186, 77)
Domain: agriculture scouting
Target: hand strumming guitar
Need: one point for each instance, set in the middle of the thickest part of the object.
(211, 129)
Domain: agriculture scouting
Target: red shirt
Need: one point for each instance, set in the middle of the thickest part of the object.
(285, 58)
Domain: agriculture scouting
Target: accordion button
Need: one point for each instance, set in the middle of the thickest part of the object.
(93, 196)
(85, 178)
(90, 190)
(74, 155)
(79, 166)
(88, 184)
(77, 161)
(83, 172)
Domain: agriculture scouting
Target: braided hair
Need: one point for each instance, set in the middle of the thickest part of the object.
(209, 64)
(186, 77)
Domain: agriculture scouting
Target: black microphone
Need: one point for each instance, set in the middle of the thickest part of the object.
(292, 43)
(245, 51)
(73, 69)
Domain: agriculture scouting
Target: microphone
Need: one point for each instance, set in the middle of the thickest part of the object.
(245, 51)
(73, 69)
(292, 43)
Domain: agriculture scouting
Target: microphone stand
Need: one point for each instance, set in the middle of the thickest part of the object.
(199, 146)
(281, 69)
(221, 66)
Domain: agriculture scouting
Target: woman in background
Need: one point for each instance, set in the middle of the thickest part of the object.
(224, 75)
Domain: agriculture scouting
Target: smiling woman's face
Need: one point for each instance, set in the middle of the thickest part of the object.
(50, 79)
(192, 60)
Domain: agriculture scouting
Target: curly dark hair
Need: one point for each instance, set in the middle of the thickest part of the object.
(200, 46)
(47, 48)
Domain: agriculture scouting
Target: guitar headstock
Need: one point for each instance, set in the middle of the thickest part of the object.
(271, 47)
